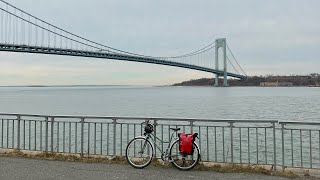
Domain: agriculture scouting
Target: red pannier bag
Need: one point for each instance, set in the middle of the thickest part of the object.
(186, 143)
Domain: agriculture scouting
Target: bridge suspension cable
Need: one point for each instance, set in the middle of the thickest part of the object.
(206, 48)
(30, 33)
(62, 30)
(102, 47)
(55, 28)
(235, 61)
(23, 32)
(232, 65)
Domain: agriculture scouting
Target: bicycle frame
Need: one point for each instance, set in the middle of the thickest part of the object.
(151, 137)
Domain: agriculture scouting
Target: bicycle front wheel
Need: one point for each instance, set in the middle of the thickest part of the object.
(183, 161)
(139, 152)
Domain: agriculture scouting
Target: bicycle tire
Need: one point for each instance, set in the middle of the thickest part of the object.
(145, 149)
(191, 160)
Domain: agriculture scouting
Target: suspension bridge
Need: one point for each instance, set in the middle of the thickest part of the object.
(22, 32)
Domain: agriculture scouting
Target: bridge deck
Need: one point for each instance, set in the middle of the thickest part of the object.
(108, 55)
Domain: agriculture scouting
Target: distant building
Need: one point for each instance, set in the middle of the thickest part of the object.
(275, 84)
(316, 84)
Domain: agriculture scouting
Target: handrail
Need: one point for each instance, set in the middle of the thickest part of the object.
(165, 119)
(144, 118)
(299, 122)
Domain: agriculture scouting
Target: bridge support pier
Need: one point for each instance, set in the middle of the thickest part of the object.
(221, 43)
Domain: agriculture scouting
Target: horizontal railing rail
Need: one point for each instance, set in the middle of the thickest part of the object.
(239, 141)
(144, 118)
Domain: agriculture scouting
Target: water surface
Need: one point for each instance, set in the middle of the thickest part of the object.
(280, 103)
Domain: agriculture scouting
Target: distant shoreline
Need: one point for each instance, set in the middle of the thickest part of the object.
(312, 80)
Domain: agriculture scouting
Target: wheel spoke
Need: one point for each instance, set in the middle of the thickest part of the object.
(139, 153)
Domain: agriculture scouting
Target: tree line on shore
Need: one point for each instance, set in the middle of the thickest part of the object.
(296, 80)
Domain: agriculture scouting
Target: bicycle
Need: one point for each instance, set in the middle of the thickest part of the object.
(140, 151)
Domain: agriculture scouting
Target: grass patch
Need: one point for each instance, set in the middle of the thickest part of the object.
(68, 157)
(235, 168)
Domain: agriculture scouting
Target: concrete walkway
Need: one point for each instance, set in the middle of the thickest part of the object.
(34, 169)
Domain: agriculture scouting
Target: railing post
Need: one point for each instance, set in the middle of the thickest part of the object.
(47, 134)
(310, 148)
(114, 136)
(282, 144)
(155, 139)
(301, 154)
(231, 136)
(82, 137)
(274, 147)
(191, 125)
(18, 132)
(52, 129)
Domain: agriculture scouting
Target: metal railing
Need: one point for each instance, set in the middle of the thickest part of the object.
(300, 144)
(264, 142)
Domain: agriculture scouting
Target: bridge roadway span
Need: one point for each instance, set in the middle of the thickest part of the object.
(12, 168)
(108, 55)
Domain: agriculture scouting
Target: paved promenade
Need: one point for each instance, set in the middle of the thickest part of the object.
(34, 169)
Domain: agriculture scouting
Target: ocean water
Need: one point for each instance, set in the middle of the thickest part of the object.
(278, 103)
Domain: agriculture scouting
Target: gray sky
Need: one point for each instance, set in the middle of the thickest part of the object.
(267, 37)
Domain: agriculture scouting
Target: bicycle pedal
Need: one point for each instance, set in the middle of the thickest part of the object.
(170, 161)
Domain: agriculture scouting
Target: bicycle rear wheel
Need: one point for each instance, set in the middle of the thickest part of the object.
(139, 152)
(182, 161)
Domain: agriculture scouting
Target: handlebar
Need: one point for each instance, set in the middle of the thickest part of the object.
(146, 122)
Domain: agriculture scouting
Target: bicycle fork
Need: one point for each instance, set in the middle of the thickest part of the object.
(144, 146)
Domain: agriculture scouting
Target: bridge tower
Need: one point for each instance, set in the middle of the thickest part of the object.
(221, 43)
